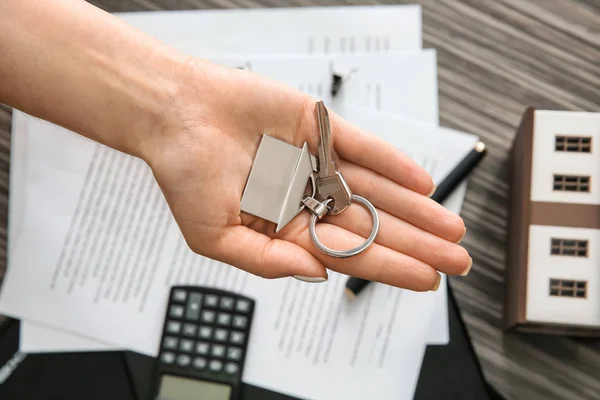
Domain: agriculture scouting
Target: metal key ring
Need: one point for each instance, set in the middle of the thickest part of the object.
(356, 250)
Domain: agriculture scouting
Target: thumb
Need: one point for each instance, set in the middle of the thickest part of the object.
(269, 258)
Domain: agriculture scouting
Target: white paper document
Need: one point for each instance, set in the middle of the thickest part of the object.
(34, 337)
(104, 271)
(17, 179)
(302, 30)
(402, 83)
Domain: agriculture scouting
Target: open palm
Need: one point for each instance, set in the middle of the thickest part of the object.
(207, 152)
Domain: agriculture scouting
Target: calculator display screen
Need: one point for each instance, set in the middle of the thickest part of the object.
(178, 388)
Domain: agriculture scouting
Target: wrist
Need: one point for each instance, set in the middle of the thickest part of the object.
(155, 100)
(187, 99)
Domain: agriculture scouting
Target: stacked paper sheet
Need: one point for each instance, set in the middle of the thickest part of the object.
(105, 258)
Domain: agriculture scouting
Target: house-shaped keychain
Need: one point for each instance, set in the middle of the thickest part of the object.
(280, 177)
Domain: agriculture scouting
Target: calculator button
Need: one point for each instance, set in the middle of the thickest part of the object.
(208, 317)
(176, 311)
(179, 295)
(193, 307)
(205, 332)
(186, 345)
(199, 363)
(202, 348)
(221, 335)
(218, 350)
(173, 327)
(216, 365)
(237, 338)
(224, 319)
(211, 300)
(183, 360)
(239, 321)
(167, 357)
(227, 303)
(170, 343)
(234, 353)
(189, 329)
(231, 368)
(242, 306)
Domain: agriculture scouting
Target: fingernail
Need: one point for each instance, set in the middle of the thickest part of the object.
(437, 284)
(432, 191)
(466, 271)
(310, 279)
(463, 236)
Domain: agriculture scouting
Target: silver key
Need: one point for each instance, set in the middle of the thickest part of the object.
(330, 183)
(332, 187)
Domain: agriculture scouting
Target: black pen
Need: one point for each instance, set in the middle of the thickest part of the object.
(355, 285)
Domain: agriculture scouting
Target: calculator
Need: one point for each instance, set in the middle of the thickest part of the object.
(203, 345)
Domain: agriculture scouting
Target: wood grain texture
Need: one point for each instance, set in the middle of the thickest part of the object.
(495, 58)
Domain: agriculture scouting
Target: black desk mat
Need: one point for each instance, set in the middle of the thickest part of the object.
(453, 371)
(62, 376)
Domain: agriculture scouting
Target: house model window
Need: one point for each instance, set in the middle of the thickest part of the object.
(568, 288)
(571, 183)
(553, 233)
(569, 247)
(581, 144)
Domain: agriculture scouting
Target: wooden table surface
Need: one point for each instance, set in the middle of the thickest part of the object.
(495, 57)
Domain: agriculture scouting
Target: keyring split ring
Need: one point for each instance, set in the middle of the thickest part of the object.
(356, 250)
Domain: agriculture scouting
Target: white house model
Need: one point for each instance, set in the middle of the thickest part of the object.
(553, 253)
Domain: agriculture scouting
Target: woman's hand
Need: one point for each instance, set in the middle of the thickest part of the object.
(204, 154)
(198, 126)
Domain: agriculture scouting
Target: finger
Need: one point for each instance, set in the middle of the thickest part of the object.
(268, 258)
(371, 152)
(398, 235)
(377, 263)
(412, 207)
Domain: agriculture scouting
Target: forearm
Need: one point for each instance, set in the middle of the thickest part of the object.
(72, 64)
